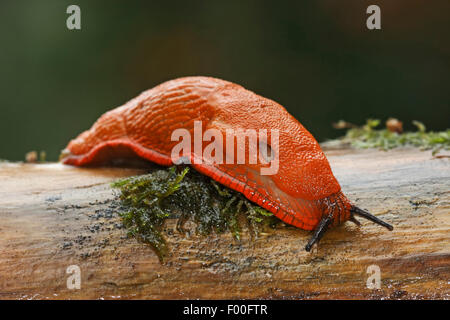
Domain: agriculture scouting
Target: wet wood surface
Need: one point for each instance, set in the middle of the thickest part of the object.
(54, 216)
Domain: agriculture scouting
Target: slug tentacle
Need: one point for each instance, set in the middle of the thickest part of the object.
(320, 231)
(335, 210)
(328, 219)
(369, 216)
(354, 220)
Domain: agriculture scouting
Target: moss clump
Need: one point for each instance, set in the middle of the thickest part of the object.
(178, 192)
(368, 136)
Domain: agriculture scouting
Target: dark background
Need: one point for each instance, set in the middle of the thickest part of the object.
(317, 58)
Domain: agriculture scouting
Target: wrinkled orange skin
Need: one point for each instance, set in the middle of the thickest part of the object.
(301, 193)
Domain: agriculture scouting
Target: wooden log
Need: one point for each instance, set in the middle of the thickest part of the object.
(53, 216)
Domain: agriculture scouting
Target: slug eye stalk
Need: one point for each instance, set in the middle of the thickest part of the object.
(369, 216)
(319, 232)
(326, 221)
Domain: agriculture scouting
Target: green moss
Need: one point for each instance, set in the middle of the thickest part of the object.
(182, 193)
(368, 136)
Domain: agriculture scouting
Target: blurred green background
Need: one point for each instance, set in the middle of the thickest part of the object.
(317, 58)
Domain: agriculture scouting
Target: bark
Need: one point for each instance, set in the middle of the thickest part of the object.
(54, 216)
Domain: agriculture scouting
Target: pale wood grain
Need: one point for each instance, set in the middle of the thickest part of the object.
(53, 216)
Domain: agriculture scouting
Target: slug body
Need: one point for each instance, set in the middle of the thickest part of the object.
(303, 192)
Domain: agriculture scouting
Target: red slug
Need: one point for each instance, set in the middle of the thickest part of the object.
(303, 192)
